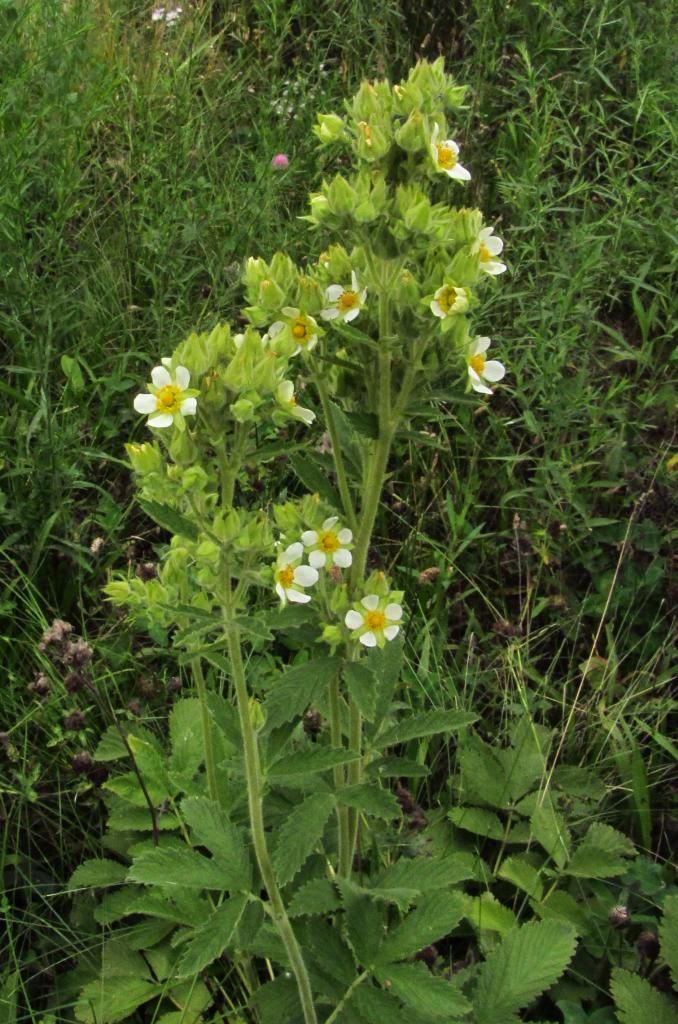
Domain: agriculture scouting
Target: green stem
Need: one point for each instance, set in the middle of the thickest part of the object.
(210, 763)
(337, 455)
(346, 996)
(343, 832)
(229, 467)
(256, 814)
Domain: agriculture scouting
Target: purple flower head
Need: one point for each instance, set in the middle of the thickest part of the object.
(280, 162)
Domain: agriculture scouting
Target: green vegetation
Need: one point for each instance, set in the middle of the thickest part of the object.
(532, 535)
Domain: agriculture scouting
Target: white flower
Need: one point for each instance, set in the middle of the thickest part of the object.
(284, 396)
(328, 543)
(344, 303)
(291, 578)
(448, 300)
(480, 368)
(445, 155)
(301, 328)
(376, 621)
(169, 398)
(487, 246)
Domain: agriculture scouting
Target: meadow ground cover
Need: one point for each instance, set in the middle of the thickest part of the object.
(531, 536)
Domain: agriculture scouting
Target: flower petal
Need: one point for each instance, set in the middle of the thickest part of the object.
(342, 558)
(494, 245)
(437, 309)
(317, 559)
(353, 619)
(394, 612)
(329, 523)
(292, 552)
(460, 173)
(368, 639)
(480, 345)
(309, 538)
(161, 419)
(296, 597)
(160, 376)
(329, 314)
(345, 536)
(188, 407)
(493, 267)
(305, 415)
(352, 314)
(305, 576)
(275, 329)
(484, 234)
(493, 370)
(285, 390)
(480, 388)
(182, 377)
(391, 632)
(333, 292)
(280, 592)
(370, 602)
(145, 404)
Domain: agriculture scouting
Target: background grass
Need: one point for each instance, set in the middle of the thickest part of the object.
(135, 179)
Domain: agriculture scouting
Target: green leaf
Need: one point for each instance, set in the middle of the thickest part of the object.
(550, 831)
(314, 477)
(523, 875)
(186, 738)
(428, 724)
(528, 961)
(97, 873)
(426, 874)
(601, 854)
(109, 1000)
(73, 372)
(638, 1002)
(364, 922)
(377, 1006)
(211, 827)
(432, 919)
(668, 936)
(300, 833)
(330, 951)
(278, 1001)
(370, 799)
(397, 768)
(560, 906)
(185, 869)
(291, 693)
(318, 896)
(213, 937)
(423, 991)
(482, 773)
(487, 914)
(305, 762)
(151, 766)
(169, 519)
(362, 684)
(364, 423)
(182, 906)
(387, 662)
(478, 821)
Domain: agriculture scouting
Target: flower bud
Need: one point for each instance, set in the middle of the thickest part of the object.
(341, 196)
(145, 458)
(320, 207)
(256, 714)
(75, 721)
(330, 127)
(411, 136)
(647, 945)
(81, 763)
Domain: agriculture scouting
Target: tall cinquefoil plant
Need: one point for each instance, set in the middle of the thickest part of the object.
(252, 866)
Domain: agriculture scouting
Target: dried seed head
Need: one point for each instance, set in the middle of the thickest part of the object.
(74, 682)
(40, 685)
(78, 653)
(56, 635)
(75, 721)
(647, 945)
(619, 917)
(97, 774)
(135, 707)
(147, 571)
(429, 954)
(81, 763)
(146, 687)
(173, 684)
(312, 722)
(97, 545)
(429, 575)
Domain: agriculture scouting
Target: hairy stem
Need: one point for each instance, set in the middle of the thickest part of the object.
(339, 776)
(210, 762)
(337, 455)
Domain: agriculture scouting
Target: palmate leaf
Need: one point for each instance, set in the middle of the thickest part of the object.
(300, 833)
(433, 918)
(211, 828)
(637, 1002)
(425, 993)
(668, 936)
(211, 939)
(528, 961)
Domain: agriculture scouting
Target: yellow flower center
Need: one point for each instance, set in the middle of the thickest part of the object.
(447, 158)
(299, 330)
(447, 299)
(285, 576)
(375, 620)
(485, 253)
(329, 542)
(477, 363)
(168, 398)
(348, 300)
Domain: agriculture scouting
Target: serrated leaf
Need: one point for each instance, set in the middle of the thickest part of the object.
(528, 961)
(97, 873)
(423, 991)
(364, 922)
(110, 1000)
(318, 896)
(387, 663)
(146, 934)
(182, 906)
(601, 853)
(331, 952)
(397, 768)
(428, 724)
(291, 694)
(306, 762)
(478, 821)
(638, 1002)
(186, 869)
(523, 875)
(487, 914)
(278, 1001)
(186, 738)
(482, 773)
(361, 683)
(314, 477)
(150, 764)
(169, 519)
(668, 936)
(213, 937)
(211, 827)
(300, 833)
(550, 831)
(560, 906)
(370, 799)
(111, 746)
(426, 874)
(434, 917)
(377, 1006)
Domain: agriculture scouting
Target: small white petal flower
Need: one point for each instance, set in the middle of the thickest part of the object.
(344, 303)
(285, 398)
(375, 622)
(169, 398)
(291, 578)
(300, 328)
(328, 545)
(488, 245)
(445, 154)
(449, 300)
(480, 369)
